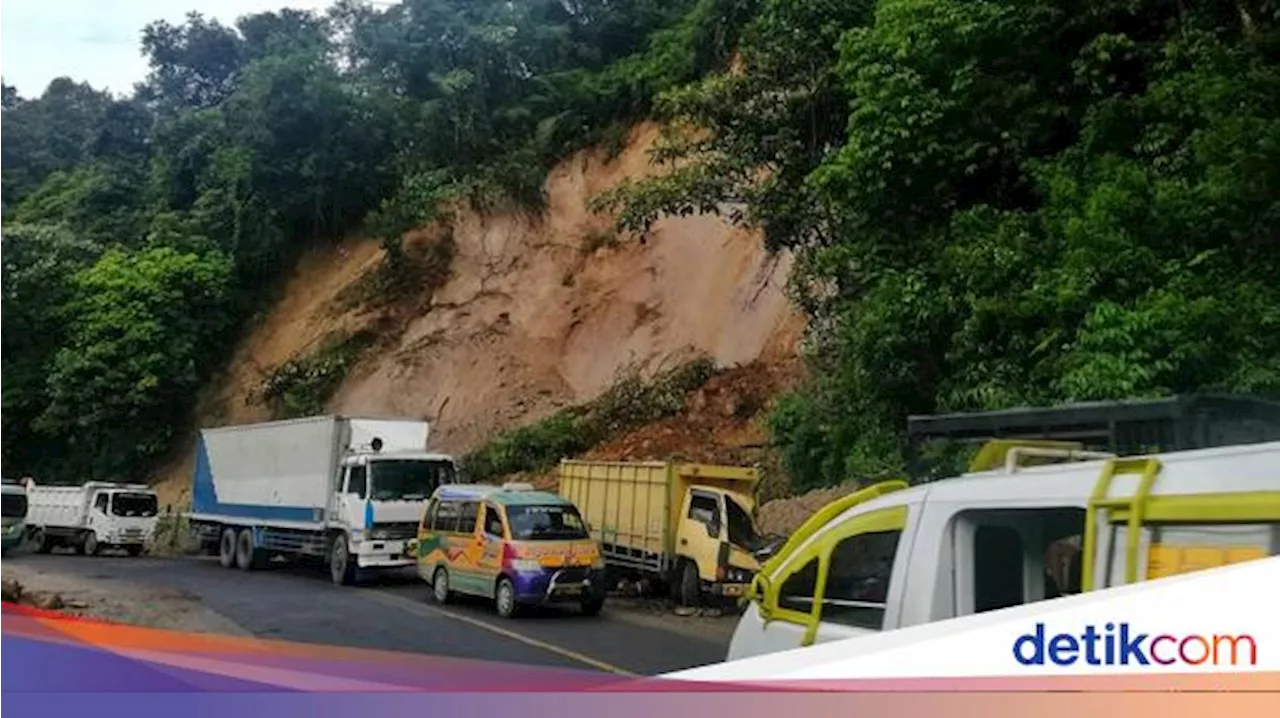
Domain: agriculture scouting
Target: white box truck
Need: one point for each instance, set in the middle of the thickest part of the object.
(347, 490)
(92, 517)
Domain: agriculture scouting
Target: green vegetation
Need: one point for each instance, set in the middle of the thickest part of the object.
(630, 402)
(143, 232)
(300, 387)
(996, 203)
(991, 203)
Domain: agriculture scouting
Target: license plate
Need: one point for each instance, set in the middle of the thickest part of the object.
(570, 589)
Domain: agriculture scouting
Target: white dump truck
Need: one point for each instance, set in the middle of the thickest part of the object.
(92, 517)
(348, 490)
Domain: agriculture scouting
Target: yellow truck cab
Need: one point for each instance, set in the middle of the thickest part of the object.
(1032, 519)
(690, 526)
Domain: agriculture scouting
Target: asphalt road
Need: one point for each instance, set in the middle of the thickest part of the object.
(396, 613)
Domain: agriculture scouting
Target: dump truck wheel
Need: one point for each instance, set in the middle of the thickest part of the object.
(689, 591)
(341, 570)
(246, 554)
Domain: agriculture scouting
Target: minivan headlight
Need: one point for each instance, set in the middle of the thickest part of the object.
(525, 564)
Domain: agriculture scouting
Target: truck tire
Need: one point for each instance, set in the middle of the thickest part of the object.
(440, 586)
(341, 569)
(43, 543)
(689, 588)
(227, 548)
(246, 553)
(89, 544)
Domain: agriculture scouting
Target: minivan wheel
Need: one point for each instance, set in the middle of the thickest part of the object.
(440, 585)
(506, 598)
(227, 548)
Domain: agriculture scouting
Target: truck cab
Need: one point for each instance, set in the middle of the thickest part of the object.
(381, 499)
(717, 537)
(15, 514)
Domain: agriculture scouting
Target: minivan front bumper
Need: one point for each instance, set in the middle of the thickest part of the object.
(562, 585)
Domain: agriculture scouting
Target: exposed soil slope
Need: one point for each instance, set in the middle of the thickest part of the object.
(541, 311)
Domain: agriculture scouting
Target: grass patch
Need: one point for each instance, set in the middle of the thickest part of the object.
(300, 387)
(630, 402)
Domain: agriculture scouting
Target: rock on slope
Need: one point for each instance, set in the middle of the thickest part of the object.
(541, 311)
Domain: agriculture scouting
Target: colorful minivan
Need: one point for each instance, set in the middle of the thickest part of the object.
(511, 543)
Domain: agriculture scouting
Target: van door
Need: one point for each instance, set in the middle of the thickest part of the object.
(846, 582)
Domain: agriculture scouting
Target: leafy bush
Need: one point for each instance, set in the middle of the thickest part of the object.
(629, 402)
(301, 387)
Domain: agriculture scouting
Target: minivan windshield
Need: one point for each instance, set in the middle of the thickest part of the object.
(15, 506)
(408, 479)
(545, 523)
(134, 505)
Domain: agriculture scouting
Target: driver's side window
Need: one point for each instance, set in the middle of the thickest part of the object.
(356, 480)
(705, 509)
(100, 503)
(492, 522)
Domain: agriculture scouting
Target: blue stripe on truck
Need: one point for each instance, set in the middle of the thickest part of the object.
(204, 498)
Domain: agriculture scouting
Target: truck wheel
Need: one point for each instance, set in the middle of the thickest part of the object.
(689, 590)
(90, 545)
(246, 554)
(341, 570)
(43, 543)
(506, 598)
(227, 548)
(440, 585)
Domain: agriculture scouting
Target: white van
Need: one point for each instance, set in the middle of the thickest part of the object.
(1005, 534)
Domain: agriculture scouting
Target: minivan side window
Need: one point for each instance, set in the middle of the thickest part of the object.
(857, 587)
(492, 522)
(467, 517)
(446, 517)
(796, 593)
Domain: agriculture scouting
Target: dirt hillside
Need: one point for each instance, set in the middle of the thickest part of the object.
(540, 311)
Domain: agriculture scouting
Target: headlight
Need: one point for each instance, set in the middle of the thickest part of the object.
(379, 535)
(525, 564)
(738, 575)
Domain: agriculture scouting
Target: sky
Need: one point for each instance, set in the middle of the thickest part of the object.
(99, 41)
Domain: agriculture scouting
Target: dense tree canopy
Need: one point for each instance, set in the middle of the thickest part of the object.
(1021, 202)
(141, 231)
(992, 203)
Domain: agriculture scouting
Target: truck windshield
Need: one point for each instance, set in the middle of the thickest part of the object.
(134, 505)
(15, 506)
(545, 523)
(408, 479)
(742, 530)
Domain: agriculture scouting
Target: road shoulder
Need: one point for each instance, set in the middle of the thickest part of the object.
(114, 599)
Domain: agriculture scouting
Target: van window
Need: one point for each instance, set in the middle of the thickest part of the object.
(858, 579)
(797, 592)
(492, 522)
(998, 562)
(467, 517)
(1010, 557)
(446, 518)
(1184, 548)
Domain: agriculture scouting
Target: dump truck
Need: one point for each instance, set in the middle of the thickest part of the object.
(687, 526)
(1127, 427)
(92, 517)
(347, 490)
(15, 515)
